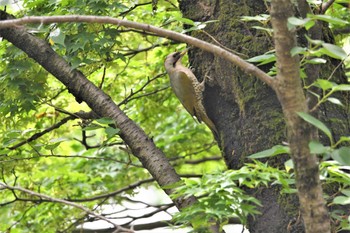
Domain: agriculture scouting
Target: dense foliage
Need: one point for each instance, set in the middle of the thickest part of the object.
(54, 146)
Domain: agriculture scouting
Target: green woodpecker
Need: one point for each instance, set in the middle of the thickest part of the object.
(187, 88)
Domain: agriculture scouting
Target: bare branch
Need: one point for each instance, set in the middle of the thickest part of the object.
(326, 5)
(52, 199)
(132, 94)
(38, 135)
(197, 161)
(53, 127)
(111, 194)
(124, 13)
(134, 52)
(73, 156)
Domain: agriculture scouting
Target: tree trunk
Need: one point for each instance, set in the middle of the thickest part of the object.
(246, 111)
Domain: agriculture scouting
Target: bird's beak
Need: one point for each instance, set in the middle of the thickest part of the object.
(184, 52)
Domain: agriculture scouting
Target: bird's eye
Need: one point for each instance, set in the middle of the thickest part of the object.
(176, 54)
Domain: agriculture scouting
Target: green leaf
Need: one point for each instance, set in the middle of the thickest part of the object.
(334, 101)
(260, 18)
(58, 140)
(269, 30)
(343, 139)
(341, 200)
(288, 165)
(276, 150)
(110, 131)
(309, 24)
(329, 19)
(341, 87)
(263, 59)
(183, 20)
(4, 151)
(317, 123)
(315, 42)
(316, 61)
(346, 192)
(297, 50)
(297, 22)
(324, 84)
(342, 155)
(92, 127)
(334, 51)
(105, 121)
(317, 148)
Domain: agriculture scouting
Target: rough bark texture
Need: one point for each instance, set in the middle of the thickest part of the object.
(290, 93)
(246, 112)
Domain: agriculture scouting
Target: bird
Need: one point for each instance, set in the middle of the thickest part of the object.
(187, 88)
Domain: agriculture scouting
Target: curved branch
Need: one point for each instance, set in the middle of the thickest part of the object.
(326, 5)
(35, 136)
(39, 134)
(111, 194)
(236, 60)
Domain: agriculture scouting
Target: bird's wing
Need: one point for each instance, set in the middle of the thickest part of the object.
(186, 92)
(187, 95)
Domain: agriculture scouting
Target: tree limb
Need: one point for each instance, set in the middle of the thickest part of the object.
(236, 60)
(52, 199)
(325, 6)
(291, 96)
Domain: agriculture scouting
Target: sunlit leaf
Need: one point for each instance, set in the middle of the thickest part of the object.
(289, 165)
(342, 87)
(329, 19)
(261, 18)
(105, 121)
(269, 30)
(324, 84)
(263, 59)
(342, 155)
(346, 192)
(110, 131)
(316, 61)
(297, 50)
(317, 147)
(276, 150)
(297, 21)
(334, 101)
(334, 51)
(341, 200)
(309, 24)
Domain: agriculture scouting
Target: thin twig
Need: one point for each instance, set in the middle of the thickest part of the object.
(56, 200)
(221, 45)
(132, 94)
(111, 194)
(45, 131)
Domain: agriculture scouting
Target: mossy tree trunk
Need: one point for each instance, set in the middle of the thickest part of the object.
(245, 111)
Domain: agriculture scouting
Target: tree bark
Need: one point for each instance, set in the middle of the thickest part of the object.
(291, 96)
(248, 114)
(246, 111)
